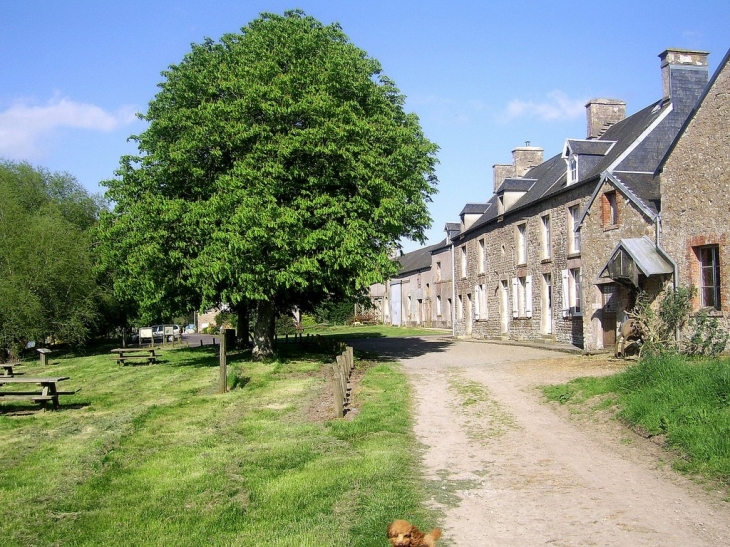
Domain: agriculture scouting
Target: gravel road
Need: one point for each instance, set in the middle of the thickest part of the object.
(507, 468)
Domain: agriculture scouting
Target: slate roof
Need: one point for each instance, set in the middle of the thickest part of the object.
(474, 208)
(516, 185)
(420, 259)
(589, 148)
(725, 62)
(549, 178)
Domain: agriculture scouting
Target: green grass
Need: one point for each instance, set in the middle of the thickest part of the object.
(685, 400)
(152, 455)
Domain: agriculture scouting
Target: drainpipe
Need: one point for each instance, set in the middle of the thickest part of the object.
(675, 266)
(453, 292)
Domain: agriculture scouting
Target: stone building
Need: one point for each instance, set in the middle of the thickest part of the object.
(562, 247)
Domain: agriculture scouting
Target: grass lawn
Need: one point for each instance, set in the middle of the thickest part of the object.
(375, 331)
(152, 455)
(684, 400)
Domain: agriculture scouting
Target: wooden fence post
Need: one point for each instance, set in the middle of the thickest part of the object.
(223, 380)
(337, 385)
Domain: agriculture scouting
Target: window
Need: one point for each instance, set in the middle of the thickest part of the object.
(483, 302)
(522, 244)
(460, 308)
(546, 237)
(573, 234)
(609, 210)
(522, 296)
(438, 271)
(709, 276)
(572, 292)
(463, 261)
(448, 308)
(480, 302)
(438, 306)
(482, 257)
(573, 166)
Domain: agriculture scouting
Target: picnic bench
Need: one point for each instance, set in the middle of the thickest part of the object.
(123, 355)
(49, 391)
(8, 369)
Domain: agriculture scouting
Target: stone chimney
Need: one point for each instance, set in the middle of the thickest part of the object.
(502, 171)
(525, 158)
(602, 114)
(682, 68)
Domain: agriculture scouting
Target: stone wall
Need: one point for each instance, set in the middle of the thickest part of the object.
(695, 187)
(500, 243)
(599, 239)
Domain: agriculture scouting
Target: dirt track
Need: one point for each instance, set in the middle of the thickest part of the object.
(509, 469)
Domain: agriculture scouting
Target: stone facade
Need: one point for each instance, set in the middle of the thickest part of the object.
(655, 184)
(695, 189)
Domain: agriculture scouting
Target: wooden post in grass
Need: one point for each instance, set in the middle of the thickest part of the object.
(223, 380)
(350, 359)
(337, 385)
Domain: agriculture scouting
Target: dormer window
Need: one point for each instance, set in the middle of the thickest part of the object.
(572, 170)
(583, 157)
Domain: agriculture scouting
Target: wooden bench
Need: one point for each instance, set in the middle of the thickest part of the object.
(144, 355)
(48, 392)
(8, 369)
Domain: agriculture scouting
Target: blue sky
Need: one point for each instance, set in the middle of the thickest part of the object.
(484, 77)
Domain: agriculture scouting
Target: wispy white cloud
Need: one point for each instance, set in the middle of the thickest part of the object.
(24, 126)
(557, 107)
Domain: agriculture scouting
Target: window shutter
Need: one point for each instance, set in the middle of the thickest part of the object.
(477, 301)
(528, 296)
(515, 301)
(566, 295)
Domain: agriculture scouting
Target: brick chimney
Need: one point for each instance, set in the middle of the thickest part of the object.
(683, 67)
(602, 114)
(525, 158)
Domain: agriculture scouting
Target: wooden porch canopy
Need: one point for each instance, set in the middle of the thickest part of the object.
(634, 257)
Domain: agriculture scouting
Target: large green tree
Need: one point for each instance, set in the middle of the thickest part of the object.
(279, 168)
(47, 284)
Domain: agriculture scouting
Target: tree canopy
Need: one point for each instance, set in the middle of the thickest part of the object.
(47, 285)
(278, 168)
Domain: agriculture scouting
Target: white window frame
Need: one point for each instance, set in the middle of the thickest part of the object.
(438, 305)
(573, 303)
(483, 303)
(463, 261)
(522, 243)
(573, 234)
(460, 308)
(522, 296)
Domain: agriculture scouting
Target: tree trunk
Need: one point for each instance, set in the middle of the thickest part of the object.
(263, 334)
(243, 326)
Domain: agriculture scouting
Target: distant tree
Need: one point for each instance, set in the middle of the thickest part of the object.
(279, 168)
(47, 285)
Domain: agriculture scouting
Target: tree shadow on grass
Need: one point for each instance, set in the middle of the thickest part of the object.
(19, 408)
(393, 349)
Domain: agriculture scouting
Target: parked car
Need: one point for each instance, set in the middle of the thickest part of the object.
(190, 329)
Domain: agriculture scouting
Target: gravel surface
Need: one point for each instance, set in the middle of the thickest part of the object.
(507, 468)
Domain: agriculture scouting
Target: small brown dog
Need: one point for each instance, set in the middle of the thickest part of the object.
(402, 533)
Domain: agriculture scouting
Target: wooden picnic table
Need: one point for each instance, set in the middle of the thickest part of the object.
(122, 355)
(8, 369)
(49, 391)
